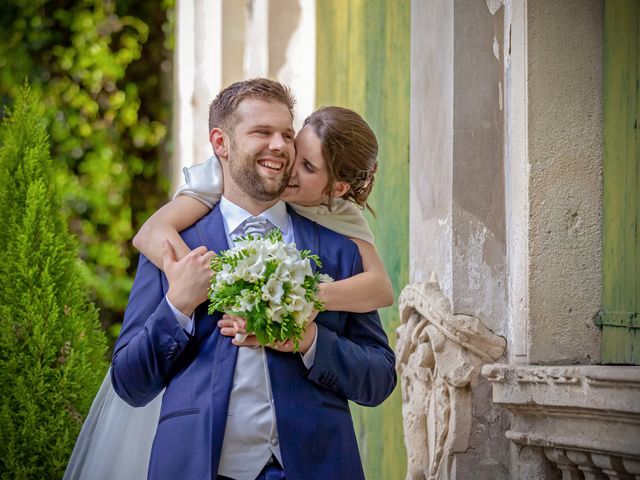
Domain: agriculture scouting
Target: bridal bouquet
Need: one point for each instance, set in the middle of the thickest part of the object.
(268, 282)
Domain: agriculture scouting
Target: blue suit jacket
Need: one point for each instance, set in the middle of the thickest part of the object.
(353, 361)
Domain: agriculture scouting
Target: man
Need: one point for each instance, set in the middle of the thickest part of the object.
(240, 412)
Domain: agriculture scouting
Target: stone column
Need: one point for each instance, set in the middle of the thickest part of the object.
(197, 72)
(567, 421)
(554, 185)
(293, 51)
(457, 235)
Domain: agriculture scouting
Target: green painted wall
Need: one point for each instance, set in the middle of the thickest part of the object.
(621, 210)
(363, 54)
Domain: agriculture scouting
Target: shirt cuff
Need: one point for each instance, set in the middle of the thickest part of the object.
(185, 322)
(310, 357)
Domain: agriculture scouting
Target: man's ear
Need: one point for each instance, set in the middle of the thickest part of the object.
(220, 143)
(340, 188)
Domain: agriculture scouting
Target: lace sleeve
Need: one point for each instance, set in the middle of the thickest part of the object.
(204, 182)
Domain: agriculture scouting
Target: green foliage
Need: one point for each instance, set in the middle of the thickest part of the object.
(52, 349)
(102, 69)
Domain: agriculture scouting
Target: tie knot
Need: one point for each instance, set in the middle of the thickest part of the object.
(257, 226)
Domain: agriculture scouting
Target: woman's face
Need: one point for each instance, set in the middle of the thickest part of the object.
(309, 176)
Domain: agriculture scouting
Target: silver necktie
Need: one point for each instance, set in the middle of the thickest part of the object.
(256, 226)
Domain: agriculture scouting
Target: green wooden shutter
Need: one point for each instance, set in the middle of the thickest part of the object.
(363, 55)
(621, 246)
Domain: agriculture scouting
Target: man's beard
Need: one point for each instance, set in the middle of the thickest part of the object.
(244, 173)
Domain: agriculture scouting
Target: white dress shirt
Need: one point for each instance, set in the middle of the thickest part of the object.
(251, 435)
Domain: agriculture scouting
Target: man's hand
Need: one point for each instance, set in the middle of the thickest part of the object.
(188, 278)
(231, 325)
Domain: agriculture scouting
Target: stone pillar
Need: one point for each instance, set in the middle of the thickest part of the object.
(457, 229)
(457, 221)
(293, 51)
(197, 71)
(567, 421)
(554, 185)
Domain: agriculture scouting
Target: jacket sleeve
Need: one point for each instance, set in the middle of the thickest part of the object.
(359, 364)
(150, 342)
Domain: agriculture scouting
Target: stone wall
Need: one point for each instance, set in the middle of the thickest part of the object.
(506, 200)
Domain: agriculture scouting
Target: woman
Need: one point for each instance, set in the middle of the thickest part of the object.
(332, 176)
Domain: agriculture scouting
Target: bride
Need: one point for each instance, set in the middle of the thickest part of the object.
(332, 177)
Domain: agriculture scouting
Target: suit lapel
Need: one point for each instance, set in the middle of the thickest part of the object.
(305, 234)
(211, 231)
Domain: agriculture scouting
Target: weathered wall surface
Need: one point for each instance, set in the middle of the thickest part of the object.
(564, 147)
(457, 229)
(363, 63)
(457, 174)
(479, 286)
(431, 142)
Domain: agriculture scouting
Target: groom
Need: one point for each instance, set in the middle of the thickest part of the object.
(240, 412)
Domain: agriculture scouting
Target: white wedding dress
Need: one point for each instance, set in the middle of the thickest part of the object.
(115, 440)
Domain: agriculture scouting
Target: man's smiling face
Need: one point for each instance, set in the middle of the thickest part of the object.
(261, 149)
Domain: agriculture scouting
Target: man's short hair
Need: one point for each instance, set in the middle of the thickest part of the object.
(225, 104)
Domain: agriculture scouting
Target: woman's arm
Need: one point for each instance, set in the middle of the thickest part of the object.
(361, 293)
(175, 216)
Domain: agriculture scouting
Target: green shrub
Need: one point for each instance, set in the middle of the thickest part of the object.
(52, 349)
(103, 71)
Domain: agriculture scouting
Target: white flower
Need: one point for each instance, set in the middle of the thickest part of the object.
(277, 313)
(324, 278)
(298, 270)
(282, 272)
(297, 300)
(250, 268)
(276, 304)
(300, 317)
(273, 290)
(247, 301)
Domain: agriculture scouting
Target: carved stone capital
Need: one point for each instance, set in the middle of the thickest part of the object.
(439, 355)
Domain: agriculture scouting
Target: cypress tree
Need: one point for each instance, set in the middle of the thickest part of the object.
(52, 349)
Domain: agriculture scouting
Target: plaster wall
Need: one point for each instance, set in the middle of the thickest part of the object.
(431, 142)
(478, 262)
(457, 206)
(564, 118)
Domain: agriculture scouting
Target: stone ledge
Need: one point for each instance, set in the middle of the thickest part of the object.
(587, 408)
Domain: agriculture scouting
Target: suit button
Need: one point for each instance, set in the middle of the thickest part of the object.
(274, 441)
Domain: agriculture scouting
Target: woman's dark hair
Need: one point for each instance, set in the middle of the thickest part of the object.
(350, 149)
